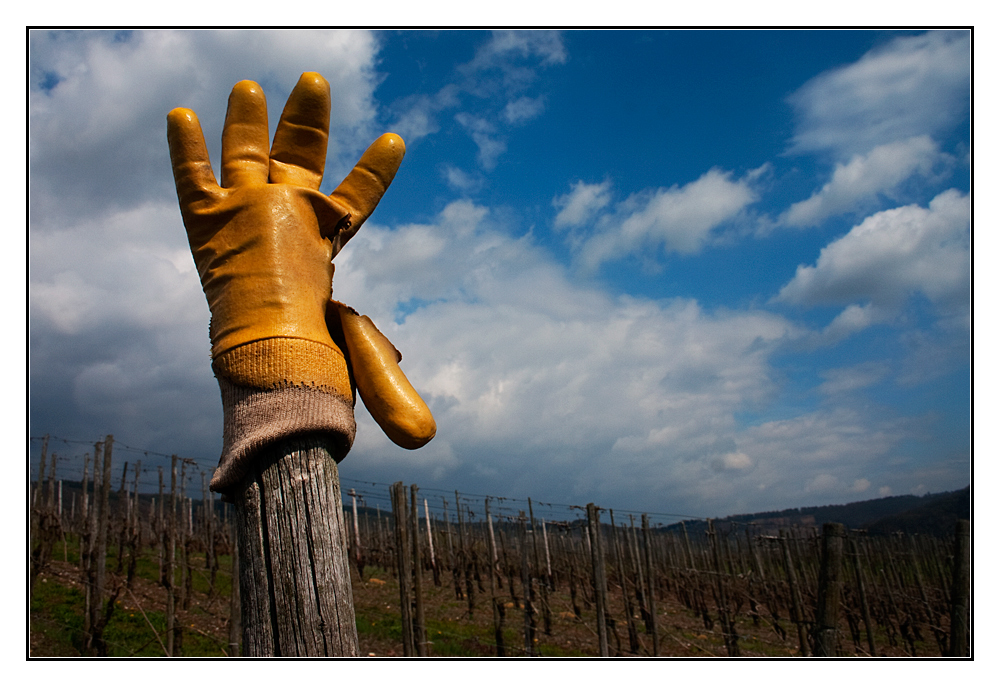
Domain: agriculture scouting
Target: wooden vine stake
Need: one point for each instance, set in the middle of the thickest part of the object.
(651, 591)
(419, 626)
(399, 511)
(599, 579)
(960, 590)
(828, 596)
(498, 612)
(295, 584)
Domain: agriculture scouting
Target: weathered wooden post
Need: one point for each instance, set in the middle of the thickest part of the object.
(498, 613)
(960, 590)
(208, 507)
(168, 570)
(94, 640)
(356, 549)
(529, 609)
(286, 357)
(828, 596)
(295, 591)
(647, 541)
(235, 629)
(464, 556)
(399, 516)
(420, 625)
(435, 568)
(599, 579)
(544, 586)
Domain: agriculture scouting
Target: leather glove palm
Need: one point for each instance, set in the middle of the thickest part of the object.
(263, 241)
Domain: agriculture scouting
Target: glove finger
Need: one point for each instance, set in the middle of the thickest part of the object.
(244, 137)
(298, 154)
(193, 174)
(363, 188)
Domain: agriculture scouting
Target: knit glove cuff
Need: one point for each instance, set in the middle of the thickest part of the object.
(253, 418)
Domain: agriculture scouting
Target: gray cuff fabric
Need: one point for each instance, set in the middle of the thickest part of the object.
(254, 418)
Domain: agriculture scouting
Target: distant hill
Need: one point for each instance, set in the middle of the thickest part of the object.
(935, 517)
(933, 514)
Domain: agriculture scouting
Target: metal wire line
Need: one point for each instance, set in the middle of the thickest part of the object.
(464, 497)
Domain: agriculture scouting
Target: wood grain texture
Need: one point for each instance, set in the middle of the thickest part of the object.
(295, 585)
(828, 594)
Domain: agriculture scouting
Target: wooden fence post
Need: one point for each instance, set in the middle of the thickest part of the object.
(960, 590)
(95, 640)
(160, 528)
(85, 517)
(543, 587)
(435, 568)
(498, 613)
(651, 590)
(359, 559)
(465, 557)
(403, 566)
(185, 537)
(420, 626)
(549, 579)
(41, 472)
(235, 630)
(529, 610)
(633, 637)
(171, 546)
(828, 596)
(123, 513)
(208, 507)
(90, 574)
(452, 557)
(295, 582)
(599, 579)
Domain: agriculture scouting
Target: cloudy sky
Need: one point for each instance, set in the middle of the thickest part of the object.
(700, 272)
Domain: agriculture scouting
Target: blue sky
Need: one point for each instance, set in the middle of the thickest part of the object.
(703, 272)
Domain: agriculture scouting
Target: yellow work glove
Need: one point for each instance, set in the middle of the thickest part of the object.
(263, 241)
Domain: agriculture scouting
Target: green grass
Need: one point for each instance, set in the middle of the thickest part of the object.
(57, 610)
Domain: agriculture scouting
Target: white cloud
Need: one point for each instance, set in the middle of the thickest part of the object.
(679, 219)
(523, 109)
(823, 452)
(581, 204)
(892, 255)
(482, 132)
(107, 108)
(460, 180)
(846, 379)
(557, 378)
(822, 483)
(504, 66)
(506, 46)
(535, 379)
(417, 114)
(860, 181)
(911, 86)
(734, 460)
(860, 486)
(852, 319)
